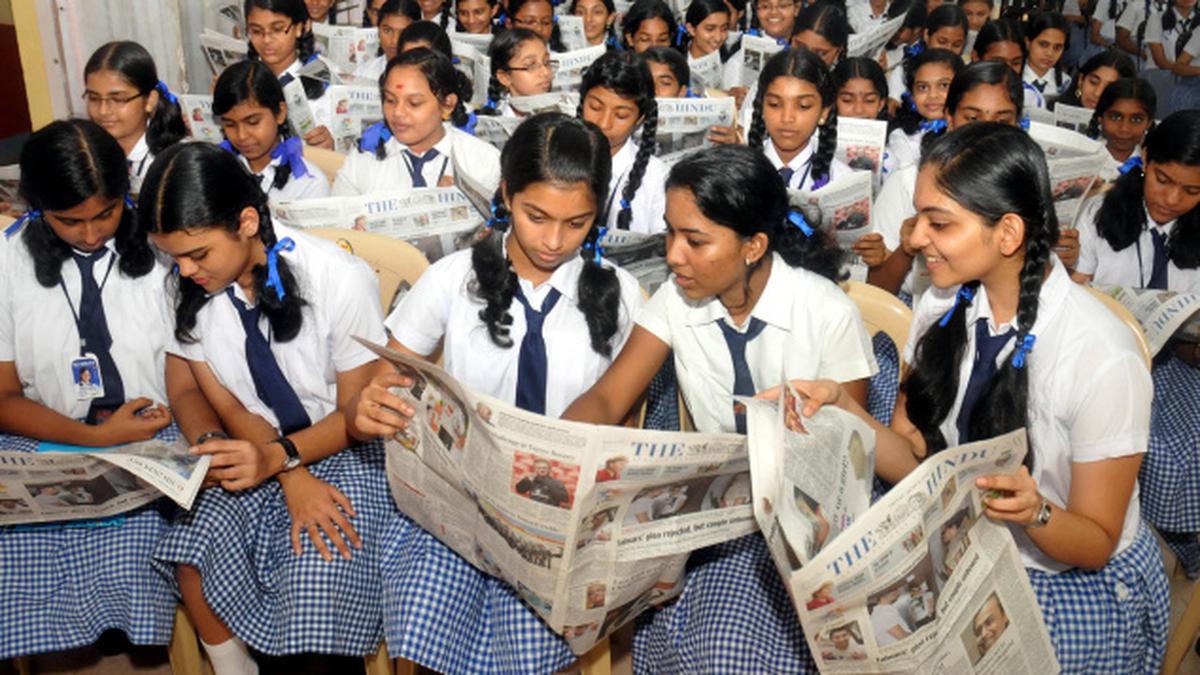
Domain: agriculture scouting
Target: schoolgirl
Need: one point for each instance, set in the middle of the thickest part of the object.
(249, 103)
(429, 35)
(436, 11)
(538, 278)
(1045, 40)
(865, 15)
(126, 98)
(281, 37)
(909, 39)
(1103, 22)
(946, 29)
(648, 23)
(927, 80)
(1095, 74)
(370, 16)
(76, 286)
(775, 19)
(321, 11)
(393, 18)
(705, 31)
(537, 16)
(521, 66)
(822, 29)
(978, 12)
(1004, 40)
(476, 16)
(262, 357)
(1168, 32)
(599, 19)
(1022, 346)
(861, 87)
(1131, 29)
(617, 95)
(1123, 115)
(415, 145)
(670, 72)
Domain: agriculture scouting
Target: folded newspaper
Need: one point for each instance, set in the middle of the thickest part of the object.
(861, 143)
(347, 47)
(870, 43)
(221, 50)
(197, 113)
(841, 207)
(224, 17)
(67, 482)
(589, 524)
(566, 102)
(1163, 315)
(570, 31)
(706, 71)
(683, 124)
(474, 63)
(569, 66)
(755, 53)
(355, 109)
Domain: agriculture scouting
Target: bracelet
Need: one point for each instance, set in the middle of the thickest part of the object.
(209, 435)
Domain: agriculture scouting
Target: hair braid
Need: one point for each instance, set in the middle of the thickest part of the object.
(638, 171)
(826, 145)
(495, 281)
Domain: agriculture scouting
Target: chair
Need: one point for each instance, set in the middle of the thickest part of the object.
(328, 161)
(881, 312)
(397, 263)
(1126, 317)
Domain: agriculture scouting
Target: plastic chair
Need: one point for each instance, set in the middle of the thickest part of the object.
(328, 161)
(881, 312)
(1184, 634)
(398, 264)
(1126, 317)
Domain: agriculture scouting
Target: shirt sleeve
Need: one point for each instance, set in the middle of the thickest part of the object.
(313, 186)
(1193, 45)
(654, 316)
(355, 313)
(8, 343)
(419, 321)
(1089, 238)
(346, 182)
(847, 353)
(1154, 29)
(1112, 417)
(1130, 18)
(892, 206)
(632, 303)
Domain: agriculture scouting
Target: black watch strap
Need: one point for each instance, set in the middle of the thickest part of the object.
(293, 455)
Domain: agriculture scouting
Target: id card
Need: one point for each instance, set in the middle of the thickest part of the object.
(85, 373)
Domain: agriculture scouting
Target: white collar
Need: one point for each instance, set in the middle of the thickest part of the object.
(799, 161)
(1050, 298)
(565, 277)
(443, 146)
(1034, 78)
(139, 151)
(1151, 224)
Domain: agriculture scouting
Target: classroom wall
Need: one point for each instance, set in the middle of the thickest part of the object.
(15, 119)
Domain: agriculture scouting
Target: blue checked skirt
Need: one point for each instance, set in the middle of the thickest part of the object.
(64, 584)
(276, 602)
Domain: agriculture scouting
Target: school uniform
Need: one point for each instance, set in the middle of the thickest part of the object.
(1032, 97)
(649, 202)
(1132, 266)
(861, 17)
(1108, 27)
(1083, 354)
(138, 160)
(1167, 39)
(893, 205)
(902, 149)
(798, 173)
(364, 173)
(372, 69)
(313, 185)
(1133, 19)
(897, 88)
(1047, 85)
(1111, 170)
(275, 601)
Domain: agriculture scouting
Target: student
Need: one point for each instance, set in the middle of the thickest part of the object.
(1131, 29)
(1104, 16)
(823, 30)
(478, 306)
(910, 37)
(617, 95)
(1004, 40)
(946, 28)
(927, 82)
(262, 357)
(321, 11)
(648, 23)
(126, 98)
(1123, 115)
(978, 12)
(75, 286)
(248, 102)
(1095, 74)
(865, 15)
(436, 12)
(1170, 69)
(1048, 357)
(475, 16)
(775, 19)
(429, 35)
(537, 16)
(370, 17)
(521, 66)
(599, 19)
(414, 146)
(393, 18)
(1045, 39)
(670, 72)
(706, 30)
(861, 88)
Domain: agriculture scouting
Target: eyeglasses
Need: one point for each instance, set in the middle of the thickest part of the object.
(780, 7)
(272, 32)
(534, 23)
(99, 101)
(549, 65)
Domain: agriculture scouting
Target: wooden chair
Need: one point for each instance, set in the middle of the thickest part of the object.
(328, 161)
(1126, 317)
(398, 264)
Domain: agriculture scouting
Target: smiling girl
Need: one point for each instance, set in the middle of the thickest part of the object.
(927, 81)
(1124, 113)
(521, 66)
(649, 23)
(599, 16)
(946, 29)
(706, 29)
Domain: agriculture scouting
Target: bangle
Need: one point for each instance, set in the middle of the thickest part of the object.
(209, 435)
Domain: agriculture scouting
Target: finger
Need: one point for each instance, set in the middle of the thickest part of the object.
(393, 379)
(347, 529)
(379, 397)
(343, 501)
(771, 394)
(296, 548)
(135, 405)
(1010, 483)
(387, 416)
(336, 537)
(315, 535)
(1020, 517)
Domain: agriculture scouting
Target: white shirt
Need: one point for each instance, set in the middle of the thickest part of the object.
(893, 205)
(812, 331)
(895, 79)
(38, 331)
(1089, 390)
(363, 173)
(802, 175)
(1112, 166)
(1132, 18)
(373, 68)
(886, 617)
(1108, 27)
(903, 149)
(441, 308)
(1156, 35)
(1032, 97)
(649, 202)
(139, 160)
(343, 301)
(312, 186)
(1132, 265)
(322, 106)
(860, 16)
(1044, 83)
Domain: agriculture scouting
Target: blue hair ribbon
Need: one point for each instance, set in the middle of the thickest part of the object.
(1134, 162)
(1025, 123)
(454, 60)
(690, 93)
(965, 294)
(227, 147)
(494, 219)
(273, 280)
(597, 249)
(291, 150)
(1023, 349)
(624, 203)
(129, 202)
(166, 92)
(933, 126)
(797, 218)
(820, 182)
(311, 57)
(472, 120)
(375, 135)
(913, 50)
(20, 222)
(907, 99)
(680, 32)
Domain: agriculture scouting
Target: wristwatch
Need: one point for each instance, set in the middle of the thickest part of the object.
(209, 435)
(1042, 518)
(293, 455)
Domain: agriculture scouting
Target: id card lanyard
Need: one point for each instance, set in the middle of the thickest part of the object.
(83, 346)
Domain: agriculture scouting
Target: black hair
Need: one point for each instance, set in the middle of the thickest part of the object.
(739, 6)
(672, 59)
(862, 67)
(915, 13)
(64, 164)
(443, 78)
(198, 185)
(644, 10)
(908, 117)
(504, 46)
(253, 81)
(1115, 9)
(827, 20)
(1168, 24)
(1125, 88)
(612, 41)
(555, 43)
(736, 186)
(1122, 217)
(992, 170)
(306, 46)
(627, 76)
(986, 72)
(1111, 58)
(458, 26)
(136, 67)
(697, 12)
(558, 149)
(406, 8)
(948, 15)
(1044, 21)
(428, 32)
(804, 65)
(998, 31)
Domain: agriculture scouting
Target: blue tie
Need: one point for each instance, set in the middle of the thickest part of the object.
(786, 174)
(987, 348)
(532, 369)
(270, 384)
(287, 77)
(94, 335)
(1158, 273)
(743, 381)
(416, 166)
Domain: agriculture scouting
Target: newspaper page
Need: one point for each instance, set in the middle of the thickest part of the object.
(706, 71)
(861, 143)
(66, 482)
(475, 64)
(225, 17)
(570, 66)
(221, 51)
(1163, 315)
(10, 188)
(299, 113)
(589, 524)
(346, 46)
(480, 41)
(642, 255)
(197, 113)
(1071, 182)
(495, 129)
(438, 221)
(841, 207)
(570, 30)
(566, 102)
(683, 124)
(1072, 117)
(923, 582)
(355, 109)
(755, 52)
(1057, 142)
(872, 42)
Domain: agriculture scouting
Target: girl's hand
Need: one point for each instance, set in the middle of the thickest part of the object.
(136, 420)
(320, 138)
(1067, 248)
(906, 230)
(815, 394)
(871, 249)
(739, 95)
(1014, 497)
(724, 135)
(379, 411)
(236, 465)
(315, 507)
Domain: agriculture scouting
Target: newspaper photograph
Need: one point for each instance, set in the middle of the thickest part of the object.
(438, 221)
(1072, 117)
(346, 46)
(10, 188)
(589, 524)
(221, 51)
(570, 30)
(861, 143)
(841, 207)
(755, 52)
(683, 124)
(68, 482)
(872, 42)
(197, 113)
(1072, 180)
(706, 71)
(475, 64)
(354, 109)
(1163, 315)
(566, 102)
(225, 17)
(569, 67)
(923, 581)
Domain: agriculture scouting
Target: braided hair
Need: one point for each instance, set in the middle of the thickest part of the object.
(136, 66)
(628, 76)
(253, 82)
(500, 53)
(908, 117)
(1134, 88)
(444, 81)
(806, 66)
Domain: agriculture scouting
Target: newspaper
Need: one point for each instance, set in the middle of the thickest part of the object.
(683, 124)
(570, 66)
(225, 17)
(923, 582)
(589, 524)
(67, 482)
(1072, 117)
(197, 112)
(438, 221)
(1072, 179)
(566, 102)
(299, 112)
(707, 71)
(570, 31)
(355, 109)
(842, 207)
(754, 53)
(1163, 315)
(475, 64)
(872, 42)
(480, 41)
(495, 129)
(1057, 142)
(860, 144)
(10, 188)
(221, 51)
(346, 46)
(642, 255)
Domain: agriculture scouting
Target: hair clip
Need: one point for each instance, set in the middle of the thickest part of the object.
(20, 222)
(914, 50)
(1134, 162)
(291, 150)
(1023, 349)
(273, 280)
(965, 294)
(797, 218)
(166, 92)
(933, 126)
(1025, 123)
(375, 135)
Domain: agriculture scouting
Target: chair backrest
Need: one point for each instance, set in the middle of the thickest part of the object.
(1127, 318)
(881, 312)
(327, 160)
(398, 264)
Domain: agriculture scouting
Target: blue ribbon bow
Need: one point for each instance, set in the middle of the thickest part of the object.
(166, 92)
(682, 31)
(273, 280)
(797, 218)
(1023, 349)
(227, 147)
(495, 219)
(472, 120)
(933, 126)
(1134, 162)
(624, 204)
(965, 294)
(311, 57)
(907, 99)
(129, 204)
(291, 150)
(374, 135)
(913, 50)
(597, 249)
(1025, 123)
(820, 182)
(689, 93)
(20, 222)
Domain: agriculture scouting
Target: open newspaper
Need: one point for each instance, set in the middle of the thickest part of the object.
(475, 64)
(706, 71)
(355, 109)
(570, 66)
(842, 207)
(1072, 117)
(67, 482)
(755, 52)
(860, 144)
(1058, 142)
(1072, 180)
(221, 51)
(480, 41)
(299, 112)
(225, 17)
(570, 30)
(589, 524)
(871, 42)
(642, 255)
(496, 129)
(197, 113)
(1163, 315)
(347, 47)
(566, 102)
(683, 124)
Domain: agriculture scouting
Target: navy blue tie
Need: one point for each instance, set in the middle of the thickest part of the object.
(743, 381)
(987, 348)
(786, 174)
(532, 369)
(94, 335)
(270, 384)
(417, 165)
(287, 77)
(1158, 273)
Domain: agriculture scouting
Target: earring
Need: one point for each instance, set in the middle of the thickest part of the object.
(748, 262)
